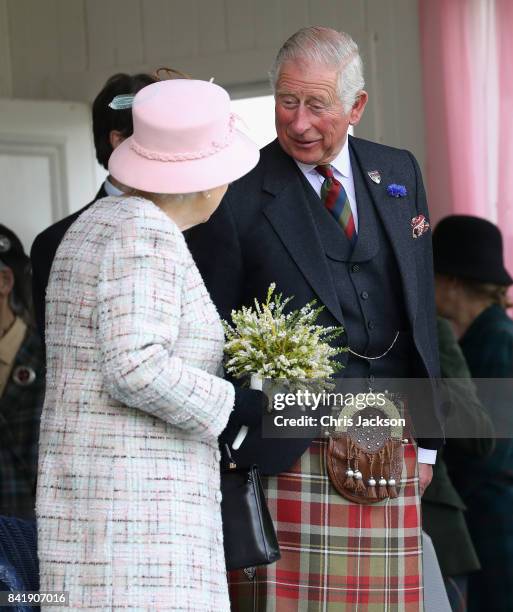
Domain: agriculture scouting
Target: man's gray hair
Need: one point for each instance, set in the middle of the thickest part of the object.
(329, 48)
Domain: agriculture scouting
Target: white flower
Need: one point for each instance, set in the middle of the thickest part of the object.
(265, 340)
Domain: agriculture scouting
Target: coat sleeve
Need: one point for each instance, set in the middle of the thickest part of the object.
(40, 273)
(465, 410)
(139, 318)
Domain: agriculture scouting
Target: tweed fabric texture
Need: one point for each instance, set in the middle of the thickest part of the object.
(20, 413)
(128, 499)
(337, 555)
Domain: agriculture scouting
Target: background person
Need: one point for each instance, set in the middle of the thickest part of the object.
(443, 510)
(471, 285)
(21, 381)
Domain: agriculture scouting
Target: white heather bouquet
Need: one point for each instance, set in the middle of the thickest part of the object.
(265, 341)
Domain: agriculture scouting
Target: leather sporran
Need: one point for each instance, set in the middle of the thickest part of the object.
(365, 457)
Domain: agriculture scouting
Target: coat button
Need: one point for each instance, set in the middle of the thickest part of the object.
(364, 295)
(217, 455)
(371, 325)
(219, 496)
(355, 268)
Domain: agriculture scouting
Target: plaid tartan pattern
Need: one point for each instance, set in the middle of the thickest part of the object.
(337, 555)
(20, 413)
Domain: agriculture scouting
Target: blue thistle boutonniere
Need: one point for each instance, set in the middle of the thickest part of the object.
(397, 191)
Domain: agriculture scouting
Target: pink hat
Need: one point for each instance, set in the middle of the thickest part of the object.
(184, 140)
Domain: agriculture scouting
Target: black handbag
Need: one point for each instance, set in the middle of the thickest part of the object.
(249, 535)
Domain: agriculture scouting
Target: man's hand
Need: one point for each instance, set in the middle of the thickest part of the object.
(425, 476)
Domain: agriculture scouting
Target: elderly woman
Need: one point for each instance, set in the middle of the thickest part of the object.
(128, 499)
(471, 285)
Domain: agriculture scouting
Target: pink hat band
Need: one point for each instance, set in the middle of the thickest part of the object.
(185, 140)
(216, 146)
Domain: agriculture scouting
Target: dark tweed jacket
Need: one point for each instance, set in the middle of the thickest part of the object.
(20, 413)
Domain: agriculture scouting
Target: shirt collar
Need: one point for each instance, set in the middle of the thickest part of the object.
(111, 189)
(11, 341)
(341, 163)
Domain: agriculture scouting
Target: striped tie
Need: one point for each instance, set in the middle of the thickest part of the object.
(336, 201)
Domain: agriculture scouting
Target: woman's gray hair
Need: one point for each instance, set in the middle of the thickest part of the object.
(325, 47)
(161, 196)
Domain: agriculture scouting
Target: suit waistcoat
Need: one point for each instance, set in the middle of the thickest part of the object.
(368, 285)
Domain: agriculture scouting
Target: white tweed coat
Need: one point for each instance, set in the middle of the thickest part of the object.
(128, 501)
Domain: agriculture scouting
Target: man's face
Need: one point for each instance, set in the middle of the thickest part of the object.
(310, 121)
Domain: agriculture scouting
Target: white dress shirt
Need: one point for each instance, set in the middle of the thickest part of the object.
(111, 189)
(343, 172)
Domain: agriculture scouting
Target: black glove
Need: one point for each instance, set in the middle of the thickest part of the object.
(249, 407)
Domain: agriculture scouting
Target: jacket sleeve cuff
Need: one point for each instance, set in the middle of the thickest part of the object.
(426, 455)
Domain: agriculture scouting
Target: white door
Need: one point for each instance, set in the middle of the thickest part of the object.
(47, 163)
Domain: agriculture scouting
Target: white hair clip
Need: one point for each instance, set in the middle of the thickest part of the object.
(121, 102)
(5, 244)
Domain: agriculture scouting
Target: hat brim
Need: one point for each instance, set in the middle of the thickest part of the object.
(155, 176)
(499, 276)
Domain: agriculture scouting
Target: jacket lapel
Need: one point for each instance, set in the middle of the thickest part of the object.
(367, 245)
(291, 217)
(395, 213)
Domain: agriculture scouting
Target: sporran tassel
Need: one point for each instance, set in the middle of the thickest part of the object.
(360, 485)
(349, 484)
(382, 489)
(392, 491)
(371, 488)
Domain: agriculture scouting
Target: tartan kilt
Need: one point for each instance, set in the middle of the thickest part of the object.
(337, 555)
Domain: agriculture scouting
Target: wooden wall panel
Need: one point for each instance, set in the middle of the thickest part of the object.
(72, 36)
(156, 28)
(212, 26)
(66, 49)
(240, 24)
(324, 12)
(127, 32)
(294, 15)
(183, 34)
(100, 19)
(5, 52)
(34, 45)
(268, 24)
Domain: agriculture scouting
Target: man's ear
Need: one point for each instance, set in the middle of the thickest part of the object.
(6, 282)
(115, 138)
(358, 107)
